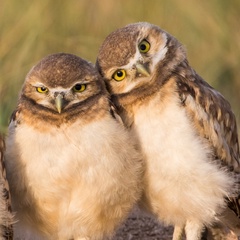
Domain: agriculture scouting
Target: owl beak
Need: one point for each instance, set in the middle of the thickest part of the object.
(59, 102)
(141, 69)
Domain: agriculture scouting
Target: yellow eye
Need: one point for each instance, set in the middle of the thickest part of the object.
(144, 46)
(42, 89)
(119, 75)
(79, 87)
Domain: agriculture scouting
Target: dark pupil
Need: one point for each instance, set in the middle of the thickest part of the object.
(143, 47)
(43, 89)
(119, 73)
(78, 87)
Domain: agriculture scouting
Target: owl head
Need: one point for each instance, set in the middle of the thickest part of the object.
(137, 56)
(61, 83)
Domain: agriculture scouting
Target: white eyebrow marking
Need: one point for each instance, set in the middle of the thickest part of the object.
(133, 60)
(161, 52)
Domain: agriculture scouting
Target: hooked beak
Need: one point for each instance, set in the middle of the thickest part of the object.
(59, 102)
(141, 69)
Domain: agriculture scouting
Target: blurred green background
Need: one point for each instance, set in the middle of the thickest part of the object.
(30, 30)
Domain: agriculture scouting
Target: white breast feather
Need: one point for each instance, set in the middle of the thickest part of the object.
(76, 174)
(182, 183)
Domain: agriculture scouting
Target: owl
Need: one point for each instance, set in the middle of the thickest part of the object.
(186, 129)
(73, 169)
(6, 216)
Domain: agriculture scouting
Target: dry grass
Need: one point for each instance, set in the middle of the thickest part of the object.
(29, 30)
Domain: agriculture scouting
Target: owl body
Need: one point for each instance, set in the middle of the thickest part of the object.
(186, 129)
(177, 164)
(70, 173)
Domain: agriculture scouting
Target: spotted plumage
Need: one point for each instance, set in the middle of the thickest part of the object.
(6, 216)
(186, 129)
(73, 170)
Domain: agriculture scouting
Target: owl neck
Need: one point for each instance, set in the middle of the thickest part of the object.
(163, 81)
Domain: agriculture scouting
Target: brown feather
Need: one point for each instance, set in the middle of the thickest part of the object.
(213, 120)
(6, 228)
(211, 115)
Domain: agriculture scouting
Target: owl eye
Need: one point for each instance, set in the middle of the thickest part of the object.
(79, 87)
(42, 89)
(144, 46)
(119, 75)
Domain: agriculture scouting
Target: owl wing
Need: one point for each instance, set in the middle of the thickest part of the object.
(212, 117)
(213, 120)
(6, 217)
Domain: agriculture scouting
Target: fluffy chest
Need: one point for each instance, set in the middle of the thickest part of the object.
(165, 132)
(70, 179)
(52, 158)
(180, 176)
(53, 153)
